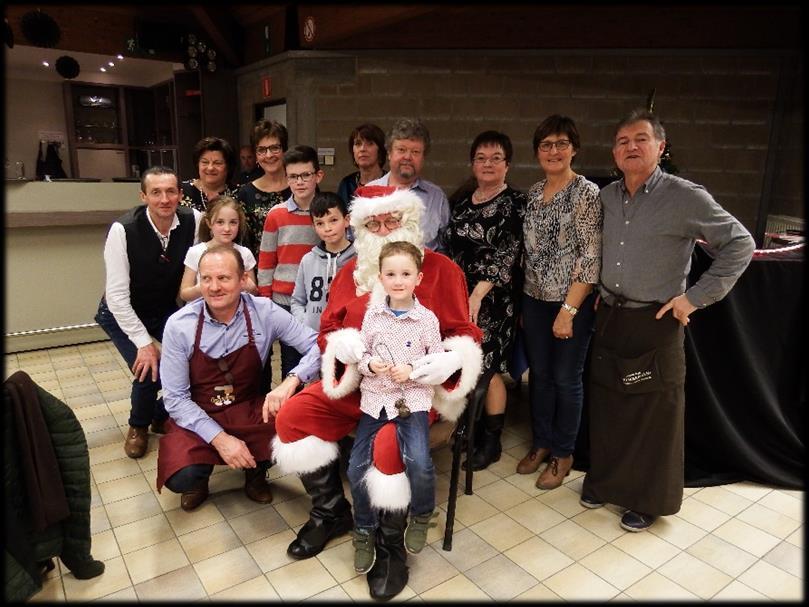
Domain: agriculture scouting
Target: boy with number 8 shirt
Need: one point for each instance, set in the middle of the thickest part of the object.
(319, 266)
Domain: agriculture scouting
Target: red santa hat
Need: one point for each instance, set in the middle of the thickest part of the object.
(379, 199)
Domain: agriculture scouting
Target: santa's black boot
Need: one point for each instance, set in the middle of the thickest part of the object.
(390, 573)
(489, 449)
(330, 515)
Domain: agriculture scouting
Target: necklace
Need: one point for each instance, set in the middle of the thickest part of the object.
(479, 195)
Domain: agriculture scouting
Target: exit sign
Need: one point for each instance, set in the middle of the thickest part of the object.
(266, 86)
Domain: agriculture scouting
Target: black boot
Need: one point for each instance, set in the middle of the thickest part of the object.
(489, 450)
(390, 572)
(330, 515)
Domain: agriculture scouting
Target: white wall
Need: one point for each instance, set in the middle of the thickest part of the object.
(33, 106)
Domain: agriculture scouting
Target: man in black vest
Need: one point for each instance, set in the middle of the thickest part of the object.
(143, 256)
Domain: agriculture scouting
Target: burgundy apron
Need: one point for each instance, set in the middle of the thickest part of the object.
(228, 389)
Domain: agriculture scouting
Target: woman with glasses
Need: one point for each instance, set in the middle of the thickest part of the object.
(484, 237)
(366, 145)
(215, 162)
(269, 138)
(561, 262)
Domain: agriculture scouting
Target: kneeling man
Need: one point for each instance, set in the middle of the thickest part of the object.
(214, 351)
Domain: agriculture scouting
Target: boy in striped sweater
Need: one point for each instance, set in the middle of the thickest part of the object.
(289, 235)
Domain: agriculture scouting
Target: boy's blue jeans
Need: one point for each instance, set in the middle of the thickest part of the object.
(414, 443)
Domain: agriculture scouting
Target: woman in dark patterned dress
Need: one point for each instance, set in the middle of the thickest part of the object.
(484, 237)
(257, 197)
(215, 162)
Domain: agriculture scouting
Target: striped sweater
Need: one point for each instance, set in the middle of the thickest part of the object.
(288, 235)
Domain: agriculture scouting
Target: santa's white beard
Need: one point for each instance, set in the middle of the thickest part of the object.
(369, 245)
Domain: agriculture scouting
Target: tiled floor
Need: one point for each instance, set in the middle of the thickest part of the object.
(512, 541)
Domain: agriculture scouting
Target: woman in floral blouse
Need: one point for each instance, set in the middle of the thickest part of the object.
(562, 262)
(484, 237)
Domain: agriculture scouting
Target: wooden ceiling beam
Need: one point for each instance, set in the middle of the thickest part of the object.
(212, 24)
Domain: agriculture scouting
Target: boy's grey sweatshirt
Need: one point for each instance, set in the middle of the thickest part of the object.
(315, 273)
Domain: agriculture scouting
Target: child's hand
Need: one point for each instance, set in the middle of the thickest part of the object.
(401, 373)
(378, 366)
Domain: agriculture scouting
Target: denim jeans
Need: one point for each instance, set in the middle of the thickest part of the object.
(145, 404)
(290, 357)
(414, 443)
(556, 391)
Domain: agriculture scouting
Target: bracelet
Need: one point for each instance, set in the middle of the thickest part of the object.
(572, 310)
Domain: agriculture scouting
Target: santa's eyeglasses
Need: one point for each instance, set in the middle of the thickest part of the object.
(391, 222)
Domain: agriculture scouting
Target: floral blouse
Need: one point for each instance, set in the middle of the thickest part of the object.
(257, 203)
(195, 198)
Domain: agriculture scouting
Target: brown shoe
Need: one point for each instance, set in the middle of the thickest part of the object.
(158, 426)
(530, 463)
(256, 486)
(136, 441)
(555, 472)
(191, 499)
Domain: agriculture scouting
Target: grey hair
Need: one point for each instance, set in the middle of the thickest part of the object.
(409, 128)
(640, 114)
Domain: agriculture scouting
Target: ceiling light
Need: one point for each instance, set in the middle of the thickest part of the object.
(120, 57)
(110, 63)
(46, 64)
(103, 69)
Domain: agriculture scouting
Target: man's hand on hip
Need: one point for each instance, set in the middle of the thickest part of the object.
(278, 396)
(434, 369)
(148, 358)
(233, 451)
(680, 308)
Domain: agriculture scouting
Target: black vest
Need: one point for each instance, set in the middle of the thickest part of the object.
(154, 283)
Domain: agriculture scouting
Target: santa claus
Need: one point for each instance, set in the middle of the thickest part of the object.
(309, 424)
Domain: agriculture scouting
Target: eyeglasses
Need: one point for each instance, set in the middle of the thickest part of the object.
(414, 152)
(208, 163)
(561, 145)
(495, 160)
(268, 149)
(391, 223)
(293, 177)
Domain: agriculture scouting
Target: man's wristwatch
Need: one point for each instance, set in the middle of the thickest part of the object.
(572, 310)
(292, 374)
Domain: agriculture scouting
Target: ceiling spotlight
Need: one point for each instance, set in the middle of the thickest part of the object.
(46, 64)
(103, 69)
(120, 57)
(110, 63)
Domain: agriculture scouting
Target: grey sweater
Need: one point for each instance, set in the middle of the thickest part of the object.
(315, 273)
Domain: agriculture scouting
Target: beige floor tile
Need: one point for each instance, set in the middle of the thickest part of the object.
(52, 592)
(615, 566)
(500, 579)
(538, 558)
(300, 580)
(769, 520)
(535, 516)
(122, 405)
(436, 534)
(295, 511)
(525, 483)
(577, 583)
(695, 575)
(468, 550)
(67, 362)
(787, 557)
(796, 537)
(80, 389)
(773, 582)
(154, 561)
(501, 531)
(127, 595)
(751, 491)
(180, 585)
(457, 588)
(132, 509)
(747, 537)
(538, 594)
(720, 554)
(271, 552)
(117, 468)
(185, 522)
(480, 479)
(502, 495)
(256, 589)
(701, 514)
(736, 591)
(784, 503)
(602, 522)
(339, 561)
(210, 541)
(86, 413)
(148, 465)
(722, 499)
(123, 488)
(571, 539)
(114, 578)
(677, 531)
(233, 504)
(143, 533)
(226, 570)
(647, 548)
(99, 521)
(656, 587)
(335, 594)
(104, 546)
(108, 436)
(564, 500)
(257, 524)
(429, 568)
(106, 453)
(471, 509)
(505, 466)
(168, 501)
(357, 590)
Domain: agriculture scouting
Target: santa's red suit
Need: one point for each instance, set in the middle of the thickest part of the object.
(309, 425)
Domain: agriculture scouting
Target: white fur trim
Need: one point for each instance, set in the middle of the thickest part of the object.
(303, 456)
(451, 403)
(404, 201)
(350, 380)
(387, 491)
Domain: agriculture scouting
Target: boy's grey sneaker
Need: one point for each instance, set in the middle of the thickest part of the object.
(415, 535)
(364, 550)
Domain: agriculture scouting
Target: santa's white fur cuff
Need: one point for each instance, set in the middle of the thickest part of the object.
(350, 380)
(451, 403)
(303, 456)
(387, 491)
